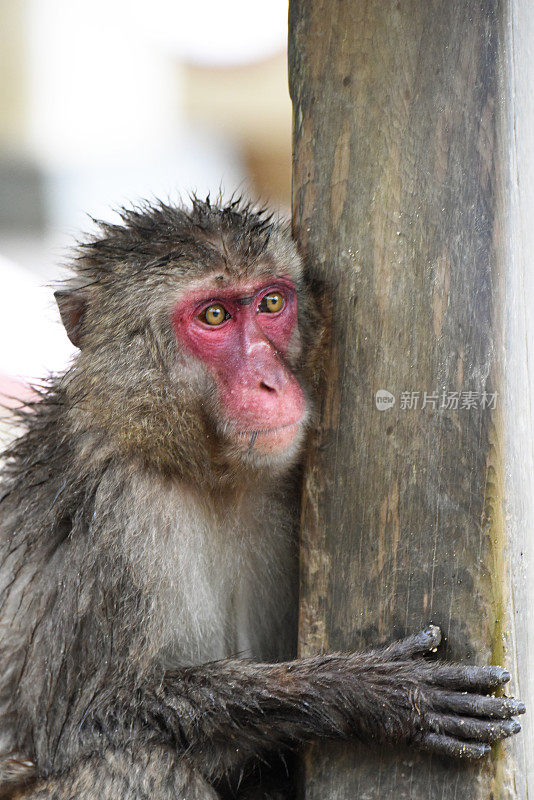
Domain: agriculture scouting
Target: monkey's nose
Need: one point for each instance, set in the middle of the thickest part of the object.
(266, 385)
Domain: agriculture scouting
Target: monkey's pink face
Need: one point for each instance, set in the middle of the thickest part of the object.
(242, 335)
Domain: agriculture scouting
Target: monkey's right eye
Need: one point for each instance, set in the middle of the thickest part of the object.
(214, 315)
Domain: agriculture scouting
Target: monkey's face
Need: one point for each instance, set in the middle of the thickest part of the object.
(243, 334)
(194, 357)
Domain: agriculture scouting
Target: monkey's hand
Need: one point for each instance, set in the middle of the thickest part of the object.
(225, 712)
(449, 709)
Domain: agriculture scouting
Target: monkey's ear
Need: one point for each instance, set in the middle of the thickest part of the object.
(72, 304)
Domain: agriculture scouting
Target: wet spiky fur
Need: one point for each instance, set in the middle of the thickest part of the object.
(107, 542)
(141, 556)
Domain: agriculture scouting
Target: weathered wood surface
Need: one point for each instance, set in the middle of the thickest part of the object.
(401, 187)
(518, 378)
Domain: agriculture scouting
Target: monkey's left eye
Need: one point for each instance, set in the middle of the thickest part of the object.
(214, 314)
(272, 302)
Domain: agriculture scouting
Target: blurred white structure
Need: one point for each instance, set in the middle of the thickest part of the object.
(34, 342)
(105, 119)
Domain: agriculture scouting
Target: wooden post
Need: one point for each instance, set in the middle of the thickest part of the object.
(407, 204)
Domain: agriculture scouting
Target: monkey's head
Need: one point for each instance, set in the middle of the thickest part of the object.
(194, 328)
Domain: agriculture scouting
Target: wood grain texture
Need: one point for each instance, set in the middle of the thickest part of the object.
(399, 204)
(518, 381)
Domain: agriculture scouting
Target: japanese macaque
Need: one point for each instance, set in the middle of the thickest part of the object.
(147, 553)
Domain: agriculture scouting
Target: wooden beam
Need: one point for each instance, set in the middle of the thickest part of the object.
(401, 203)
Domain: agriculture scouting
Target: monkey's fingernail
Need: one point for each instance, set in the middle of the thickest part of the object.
(520, 708)
(433, 633)
(505, 676)
(516, 727)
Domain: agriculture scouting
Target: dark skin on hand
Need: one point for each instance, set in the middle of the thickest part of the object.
(147, 537)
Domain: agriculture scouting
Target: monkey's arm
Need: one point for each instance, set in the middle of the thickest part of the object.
(228, 710)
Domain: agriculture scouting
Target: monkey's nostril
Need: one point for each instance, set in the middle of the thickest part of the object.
(266, 386)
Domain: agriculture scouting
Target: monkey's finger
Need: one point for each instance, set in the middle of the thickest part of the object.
(468, 678)
(479, 730)
(447, 746)
(422, 642)
(478, 705)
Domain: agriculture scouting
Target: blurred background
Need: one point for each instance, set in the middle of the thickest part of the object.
(106, 102)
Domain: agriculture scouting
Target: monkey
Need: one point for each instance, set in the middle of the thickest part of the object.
(147, 537)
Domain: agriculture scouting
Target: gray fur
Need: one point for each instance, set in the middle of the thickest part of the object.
(148, 565)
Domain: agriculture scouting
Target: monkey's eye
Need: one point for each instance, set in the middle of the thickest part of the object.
(214, 315)
(272, 302)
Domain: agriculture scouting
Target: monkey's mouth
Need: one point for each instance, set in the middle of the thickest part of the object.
(270, 440)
